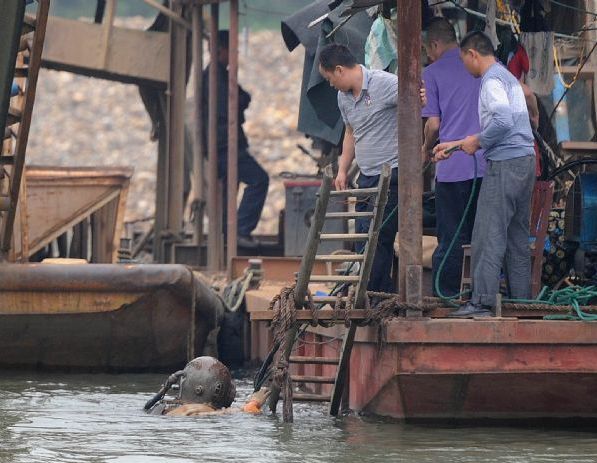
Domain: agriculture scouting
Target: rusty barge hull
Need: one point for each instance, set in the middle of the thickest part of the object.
(442, 369)
(436, 368)
(109, 318)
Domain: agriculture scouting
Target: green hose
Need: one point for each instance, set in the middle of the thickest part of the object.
(450, 299)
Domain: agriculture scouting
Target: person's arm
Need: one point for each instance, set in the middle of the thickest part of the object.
(501, 121)
(345, 159)
(432, 111)
(444, 150)
(431, 132)
(532, 106)
(256, 401)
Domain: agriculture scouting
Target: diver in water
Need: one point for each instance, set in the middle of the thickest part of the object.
(205, 388)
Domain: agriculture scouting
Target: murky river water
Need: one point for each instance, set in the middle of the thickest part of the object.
(98, 418)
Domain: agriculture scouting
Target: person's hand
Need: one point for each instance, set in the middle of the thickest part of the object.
(260, 396)
(423, 94)
(470, 144)
(341, 181)
(445, 150)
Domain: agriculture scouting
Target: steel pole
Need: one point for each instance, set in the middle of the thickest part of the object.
(410, 179)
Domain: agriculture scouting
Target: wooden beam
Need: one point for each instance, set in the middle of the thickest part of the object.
(213, 250)
(176, 98)
(77, 46)
(233, 107)
(198, 139)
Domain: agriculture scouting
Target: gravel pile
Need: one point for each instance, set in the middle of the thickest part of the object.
(79, 121)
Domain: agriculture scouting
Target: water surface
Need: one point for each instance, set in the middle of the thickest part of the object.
(98, 418)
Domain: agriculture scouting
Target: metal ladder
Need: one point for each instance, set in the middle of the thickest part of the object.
(21, 65)
(360, 281)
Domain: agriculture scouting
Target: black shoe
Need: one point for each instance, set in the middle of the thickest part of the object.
(247, 242)
(470, 310)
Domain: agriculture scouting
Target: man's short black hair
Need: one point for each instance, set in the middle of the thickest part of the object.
(440, 29)
(478, 41)
(334, 54)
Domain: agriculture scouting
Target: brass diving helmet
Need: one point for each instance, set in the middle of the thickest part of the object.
(206, 380)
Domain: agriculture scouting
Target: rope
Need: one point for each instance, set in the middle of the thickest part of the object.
(565, 92)
(284, 313)
(559, 68)
(234, 293)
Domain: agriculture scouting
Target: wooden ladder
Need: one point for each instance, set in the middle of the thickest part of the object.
(359, 282)
(27, 41)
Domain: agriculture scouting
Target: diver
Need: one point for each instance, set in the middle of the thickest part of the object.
(205, 388)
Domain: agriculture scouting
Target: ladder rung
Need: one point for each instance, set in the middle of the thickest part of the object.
(340, 257)
(325, 299)
(334, 278)
(4, 203)
(313, 379)
(7, 160)
(314, 360)
(343, 236)
(30, 22)
(21, 72)
(14, 116)
(354, 192)
(310, 397)
(348, 215)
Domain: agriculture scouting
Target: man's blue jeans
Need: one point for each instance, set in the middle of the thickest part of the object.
(257, 182)
(381, 272)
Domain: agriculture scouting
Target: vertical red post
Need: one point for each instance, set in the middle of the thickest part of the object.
(410, 179)
(232, 131)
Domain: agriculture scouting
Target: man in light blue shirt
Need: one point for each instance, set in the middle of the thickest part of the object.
(501, 230)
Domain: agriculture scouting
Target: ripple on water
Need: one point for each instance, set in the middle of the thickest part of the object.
(98, 418)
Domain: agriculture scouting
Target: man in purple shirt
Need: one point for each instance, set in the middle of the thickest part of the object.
(452, 114)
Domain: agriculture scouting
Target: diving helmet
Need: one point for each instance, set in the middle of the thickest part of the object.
(206, 380)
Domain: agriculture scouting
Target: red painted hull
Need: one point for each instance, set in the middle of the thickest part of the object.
(467, 369)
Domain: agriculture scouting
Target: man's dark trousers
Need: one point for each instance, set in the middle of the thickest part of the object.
(451, 199)
(381, 272)
(257, 182)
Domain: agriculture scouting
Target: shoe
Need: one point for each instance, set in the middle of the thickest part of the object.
(247, 242)
(470, 310)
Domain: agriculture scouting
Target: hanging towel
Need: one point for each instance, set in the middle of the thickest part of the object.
(539, 47)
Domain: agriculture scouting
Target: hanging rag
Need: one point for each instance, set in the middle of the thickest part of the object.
(490, 28)
(380, 47)
(539, 47)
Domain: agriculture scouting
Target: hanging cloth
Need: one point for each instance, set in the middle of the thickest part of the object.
(380, 47)
(519, 65)
(539, 46)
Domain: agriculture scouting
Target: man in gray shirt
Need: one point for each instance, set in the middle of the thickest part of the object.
(501, 230)
(367, 101)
